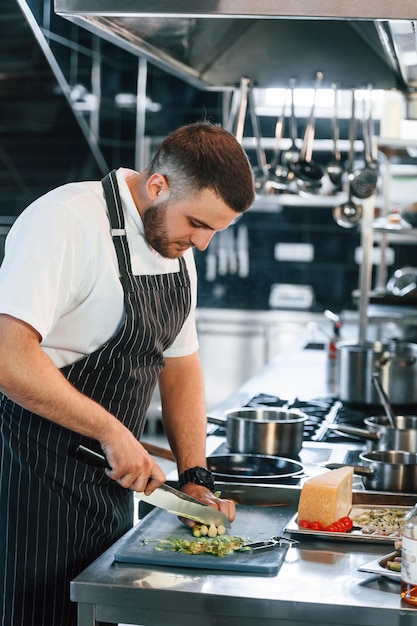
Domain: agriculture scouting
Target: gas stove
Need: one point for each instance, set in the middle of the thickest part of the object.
(320, 444)
(322, 412)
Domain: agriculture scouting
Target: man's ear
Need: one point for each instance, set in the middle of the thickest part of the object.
(157, 186)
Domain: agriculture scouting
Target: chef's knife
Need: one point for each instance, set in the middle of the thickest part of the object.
(165, 497)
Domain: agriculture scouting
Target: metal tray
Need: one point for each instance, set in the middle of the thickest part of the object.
(355, 534)
(379, 566)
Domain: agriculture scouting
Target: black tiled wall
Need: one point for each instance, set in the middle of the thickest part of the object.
(333, 273)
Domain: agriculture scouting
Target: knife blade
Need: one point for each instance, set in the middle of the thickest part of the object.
(165, 496)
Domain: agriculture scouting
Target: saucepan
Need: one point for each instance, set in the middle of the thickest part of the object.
(396, 363)
(263, 430)
(386, 470)
(380, 436)
(254, 468)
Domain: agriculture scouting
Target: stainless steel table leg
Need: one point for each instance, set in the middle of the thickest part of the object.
(86, 614)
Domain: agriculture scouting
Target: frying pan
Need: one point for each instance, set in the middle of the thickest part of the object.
(263, 430)
(380, 436)
(386, 470)
(253, 468)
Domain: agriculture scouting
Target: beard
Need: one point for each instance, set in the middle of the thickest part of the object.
(156, 233)
(155, 228)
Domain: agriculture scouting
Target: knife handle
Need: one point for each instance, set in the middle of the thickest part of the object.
(91, 457)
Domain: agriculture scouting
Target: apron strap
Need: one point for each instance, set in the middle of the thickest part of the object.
(118, 231)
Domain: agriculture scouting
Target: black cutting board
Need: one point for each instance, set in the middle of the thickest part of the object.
(253, 523)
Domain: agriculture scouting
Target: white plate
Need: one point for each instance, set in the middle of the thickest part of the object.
(378, 566)
(355, 534)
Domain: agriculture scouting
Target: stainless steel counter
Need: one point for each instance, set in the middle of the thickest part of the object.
(318, 583)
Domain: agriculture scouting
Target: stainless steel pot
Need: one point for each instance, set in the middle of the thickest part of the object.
(387, 470)
(390, 470)
(267, 431)
(396, 364)
(379, 436)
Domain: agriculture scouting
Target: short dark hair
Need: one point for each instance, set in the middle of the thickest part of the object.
(205, 156)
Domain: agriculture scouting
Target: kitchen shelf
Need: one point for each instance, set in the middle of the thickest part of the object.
(319, 145)
(397, 147)
(386, 298)
(386, 233)
(397, 238)
(402, 233)
(275, 203)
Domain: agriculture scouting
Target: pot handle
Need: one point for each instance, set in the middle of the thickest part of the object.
(358, 469)
(400, 362)
(407, 362)
(159, 452)
(362, 433)
(389, 356)
(216, 420)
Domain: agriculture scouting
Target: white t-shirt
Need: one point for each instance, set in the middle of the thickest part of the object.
(60, 272)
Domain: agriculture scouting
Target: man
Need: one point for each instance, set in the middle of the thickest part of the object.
(97, 298)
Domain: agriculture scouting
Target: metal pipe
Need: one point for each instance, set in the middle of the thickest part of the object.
(140, 152)
(365, 275)
(63, 83)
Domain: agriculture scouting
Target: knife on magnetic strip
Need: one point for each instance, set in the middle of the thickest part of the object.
(165, 497)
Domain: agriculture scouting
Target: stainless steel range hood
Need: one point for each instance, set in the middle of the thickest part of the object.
(213, 43)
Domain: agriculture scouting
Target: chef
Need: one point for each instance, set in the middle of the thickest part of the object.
(97, 299)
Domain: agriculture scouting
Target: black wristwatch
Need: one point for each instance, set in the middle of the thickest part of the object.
(197, 475)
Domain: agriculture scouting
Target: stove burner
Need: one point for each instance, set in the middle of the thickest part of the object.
(323, 411)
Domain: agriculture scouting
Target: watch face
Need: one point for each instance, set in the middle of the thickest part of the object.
(203, 474)
(199, 476)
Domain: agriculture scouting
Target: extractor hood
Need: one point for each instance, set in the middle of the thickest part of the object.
(214, 43)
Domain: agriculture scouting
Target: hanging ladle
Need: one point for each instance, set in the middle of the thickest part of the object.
(279, 174)
(292, 155)
(363, 182)
(373, 146)
(308, 173)
(348, 214)
(261, 172)
(243, 98)
(335, 167)
(384, 400)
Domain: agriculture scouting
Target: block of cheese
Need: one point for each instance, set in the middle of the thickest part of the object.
(327, 497)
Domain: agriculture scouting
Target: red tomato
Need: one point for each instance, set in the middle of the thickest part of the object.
(316, 526)
(347, 523)
(339, 527)
(304, 523)
(331, 528)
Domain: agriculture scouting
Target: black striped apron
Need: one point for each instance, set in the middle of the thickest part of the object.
(57, 514)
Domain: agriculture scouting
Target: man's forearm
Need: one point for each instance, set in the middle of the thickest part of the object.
(183, 409)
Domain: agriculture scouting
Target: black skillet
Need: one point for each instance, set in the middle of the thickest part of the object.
(254, 468)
